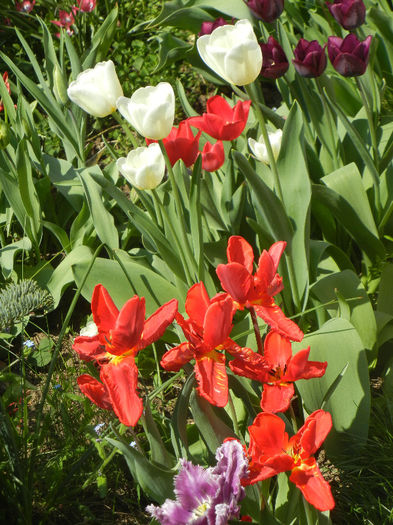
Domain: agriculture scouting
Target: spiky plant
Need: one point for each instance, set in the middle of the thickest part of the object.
(20, 300)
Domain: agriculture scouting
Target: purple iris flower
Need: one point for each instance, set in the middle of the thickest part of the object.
(206, 496)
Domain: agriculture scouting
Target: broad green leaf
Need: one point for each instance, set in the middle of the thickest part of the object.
(156, 482)
(7, 255)
(234, 8)
(338, 343)
(141, 281)
(319, 251)
(159, 454)
(179, 419)
(348, 285)
(65, 178)
(385, 290)
(183, 15)
(101, 42)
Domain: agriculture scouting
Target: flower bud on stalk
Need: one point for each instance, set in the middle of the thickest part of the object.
(59, 86)
(266, 10)
(259, 147)
(350, 14)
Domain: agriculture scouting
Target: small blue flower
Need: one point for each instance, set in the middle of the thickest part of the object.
(28, 343)
(57, 387)
(98, 428)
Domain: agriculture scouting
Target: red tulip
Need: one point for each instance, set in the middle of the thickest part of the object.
(25, 7)
(221, 121)
(278, 369)
(87, 6)
(208, 27)
(213, 156)
(266, 10)
(257, 291)
(207, 331)
(181, 144)
(121, 335)
(271, 452)
(310, 58)
(349, 56)
(66, 20)
(348, 13)
(274, 61)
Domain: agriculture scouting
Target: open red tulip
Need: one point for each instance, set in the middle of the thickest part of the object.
(121, 335)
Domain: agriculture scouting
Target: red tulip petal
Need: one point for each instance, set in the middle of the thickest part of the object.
(275, 318)
(104, 309)
(250, 364)
(219, 106)
(300, 368)
(177, 357)
(218, 323)
(277, 350)
(212, 378)
(88, 348)
(277, 398)
(266, 270)
(314, 431)
(157, 323)
(95, 391)
(236, 280)
(197, 303)
(240, 251)
(267, 436)
(275, 251)
(121, 381)
(213, 156)
(129, 326)
(308, 478)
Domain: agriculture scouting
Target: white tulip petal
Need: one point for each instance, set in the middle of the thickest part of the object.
(144, 167)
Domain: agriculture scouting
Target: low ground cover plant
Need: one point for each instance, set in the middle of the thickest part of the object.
(223, 250)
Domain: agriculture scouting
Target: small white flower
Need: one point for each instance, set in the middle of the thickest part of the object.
(96, 90)
(233, 52)
(150, 110)
(259, 147)
(90, 330)
(143, 167)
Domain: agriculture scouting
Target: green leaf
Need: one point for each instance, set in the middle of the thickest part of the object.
(155, 482)
(159, 454)
(385, 295)
(338, 343)
(102, 41)
(7, 255)
(179, 419)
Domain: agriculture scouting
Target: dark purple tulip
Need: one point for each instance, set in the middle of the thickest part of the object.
(348, 13)
(208, 27)
(275, 63)
(310, 58)
(266, 10)
(349, 56)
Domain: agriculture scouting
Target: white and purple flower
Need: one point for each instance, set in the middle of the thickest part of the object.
(206, 496)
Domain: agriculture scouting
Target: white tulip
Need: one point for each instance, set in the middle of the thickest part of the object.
(96, 90)
(233, 52)
(150, 110)
(144, 167)
(259, 147)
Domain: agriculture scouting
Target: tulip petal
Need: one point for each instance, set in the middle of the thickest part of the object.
(104, 309)
(276, 319)
(236, 280)
(218, 323)
(300, 367)
(128, 327)
(314, 431)
(121, 381)
(95, 391)
(177, 357)
(267, 435)
(211, 375)
(157, 323)
(197, 303)
(277, 398)
(277, 350)
(88, 348)
(240, 251)
(308, 478)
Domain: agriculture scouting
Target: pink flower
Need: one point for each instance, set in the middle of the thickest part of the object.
(87, 6)
(25, 7)
(66, 19)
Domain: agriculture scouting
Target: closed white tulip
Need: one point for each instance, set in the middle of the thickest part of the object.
(150, 110)
(233, 52)
(259, 147)
(143, 167)
(96, 90)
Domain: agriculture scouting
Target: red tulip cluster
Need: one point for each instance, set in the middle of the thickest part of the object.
(121, 335)
(67, 19)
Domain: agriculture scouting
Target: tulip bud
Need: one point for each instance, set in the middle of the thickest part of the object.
(310, 58)
(4, 134)
(144, 167)
(150, 110)
(208, 27)
(96, 90)
(232, 52)
(349, 56)
(259, 147)
(348, 13)
(275, 63)
(266, 10)
(213, 156)
(59, 86)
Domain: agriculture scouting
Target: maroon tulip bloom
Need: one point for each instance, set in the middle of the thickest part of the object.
(348, 13)
(275, 63)
(310, 58)
(349, 56)
(208, 27)
(266, 10)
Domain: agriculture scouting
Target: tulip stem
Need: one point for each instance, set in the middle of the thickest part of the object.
(126, 129)
(256, 330)
(179, 207)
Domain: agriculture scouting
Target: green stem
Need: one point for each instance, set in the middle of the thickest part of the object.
(179, 208)
(126, 129)
(308, 511)
(256, 330)
(157, 208)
